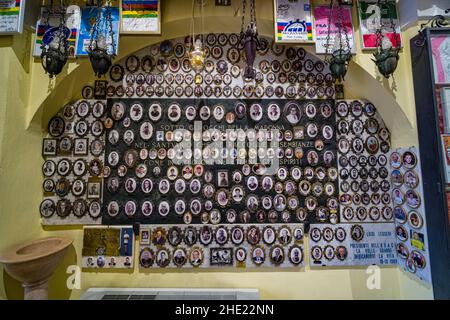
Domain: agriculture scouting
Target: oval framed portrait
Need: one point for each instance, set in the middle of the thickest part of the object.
(206, 235)
(401, 233)
(415, 220)
(196, 257)
(56, 127)
(316, 253)
(258, 255)
(146, 258)
(296, 255)
(47, 208)
(179, 257)
(409, 159)
(292, 113)
(284, 235)
(155, 112)
(413, 199)
(253, 235)
(277, 255)
(113, 209)
(163, 258)
(63, 208)
(402, 251)
(341, 253)
(174, 112)
(241, 255)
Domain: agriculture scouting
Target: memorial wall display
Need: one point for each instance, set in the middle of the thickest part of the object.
(409, 212)
(140, 17)
(108, 248)
(352, 245)
(205, 246)
(216, 171)
(11, 16)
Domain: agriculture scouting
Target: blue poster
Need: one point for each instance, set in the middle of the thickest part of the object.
(88, 19)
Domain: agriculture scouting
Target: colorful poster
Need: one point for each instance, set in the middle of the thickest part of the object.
(321, 20)
(440, 46)
(88, 19)
(293, 21)
(370, 17)
(47, 23)
(139, 16)
(11, 16)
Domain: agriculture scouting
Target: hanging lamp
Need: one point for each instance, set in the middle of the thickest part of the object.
(101, 53)
(55, 44)
(249, 40)
(338, 55)
(197, 54)
(387, 54)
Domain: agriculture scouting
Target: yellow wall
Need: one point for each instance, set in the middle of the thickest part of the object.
(28, 99)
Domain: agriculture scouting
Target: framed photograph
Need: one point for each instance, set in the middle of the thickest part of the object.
(370, 15)
(441, 60)
(94, 190)
(140, 17)
(11, 16)
(81, 147)
(100, 89)
(221, 257)
(293, 21)
(49, 147)
(321, 27)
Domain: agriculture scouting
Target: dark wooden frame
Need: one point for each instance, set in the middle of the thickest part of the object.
(431, 153)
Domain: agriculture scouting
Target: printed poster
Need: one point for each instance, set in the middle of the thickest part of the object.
(440, 46)
(43, 28)
(293, 21)
(138, 16)
(11, 16)
(88, 19)
(370, 16)
(321, 17)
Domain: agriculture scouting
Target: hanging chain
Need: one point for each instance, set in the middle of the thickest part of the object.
(111, 30)
(344, 26)
(379, 32)
(244, 9)
(393, 25)
(253, 13)
(330, 20)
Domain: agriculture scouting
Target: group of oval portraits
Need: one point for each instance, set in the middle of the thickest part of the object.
(274, 244)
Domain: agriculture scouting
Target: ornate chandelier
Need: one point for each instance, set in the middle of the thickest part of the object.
(197, 54)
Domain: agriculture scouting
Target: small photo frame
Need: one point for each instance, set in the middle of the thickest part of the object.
(49, 147)
(221, 256)
(100, 89)
(81, 147)
(94, 190)
(145, 236)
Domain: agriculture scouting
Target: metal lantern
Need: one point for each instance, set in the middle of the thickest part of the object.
(338, 55)
(387, 55)
(55, 44)
(101, 53)
(249, 40)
